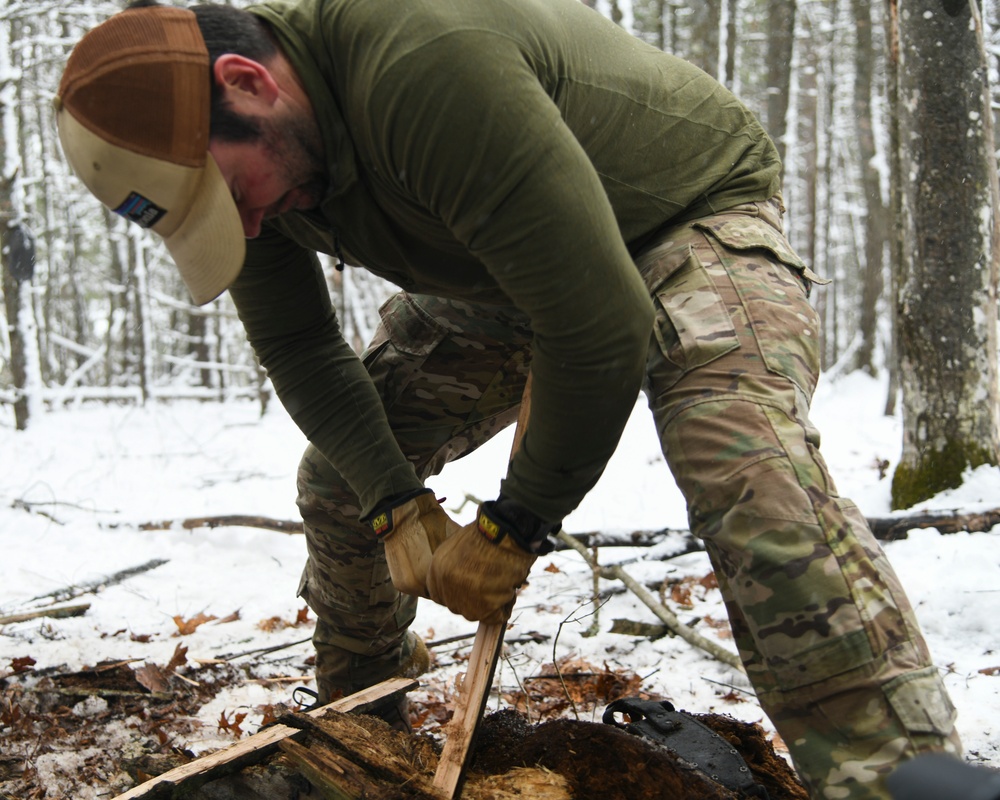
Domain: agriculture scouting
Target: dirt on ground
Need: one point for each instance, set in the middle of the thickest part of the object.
(99, 731)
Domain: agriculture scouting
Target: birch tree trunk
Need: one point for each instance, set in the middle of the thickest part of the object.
(16, 247)
(143, 317)
(946, 307)
(896, 236)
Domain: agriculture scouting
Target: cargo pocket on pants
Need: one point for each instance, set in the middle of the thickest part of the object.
(772, 283)
(407, 336)
(692, 326)
(921, 702)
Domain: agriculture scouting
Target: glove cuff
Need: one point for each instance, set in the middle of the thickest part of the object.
(381, 518)
(503, 517)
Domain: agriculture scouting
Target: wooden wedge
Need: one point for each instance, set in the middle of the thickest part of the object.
(475, 688)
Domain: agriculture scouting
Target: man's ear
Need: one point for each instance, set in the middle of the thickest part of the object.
(246, 84)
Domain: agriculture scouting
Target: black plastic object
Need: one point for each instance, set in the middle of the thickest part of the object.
(935, 776)
(687, 738)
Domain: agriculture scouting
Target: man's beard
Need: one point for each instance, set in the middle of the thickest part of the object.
(296, 147)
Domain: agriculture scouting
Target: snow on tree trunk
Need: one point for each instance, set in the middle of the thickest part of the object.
(143, 318)
(17, 251)
(946, 304)
(875, 216)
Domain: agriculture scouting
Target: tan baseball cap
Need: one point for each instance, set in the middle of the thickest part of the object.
(133, 118)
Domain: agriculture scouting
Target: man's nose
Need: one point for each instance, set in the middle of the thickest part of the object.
(251, 220)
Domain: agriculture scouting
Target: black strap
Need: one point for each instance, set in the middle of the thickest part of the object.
(688, 739)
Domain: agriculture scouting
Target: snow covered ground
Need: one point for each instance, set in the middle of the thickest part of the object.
(76, 486)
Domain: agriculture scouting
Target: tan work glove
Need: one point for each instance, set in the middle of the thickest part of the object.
(412, 529)
(477, 572)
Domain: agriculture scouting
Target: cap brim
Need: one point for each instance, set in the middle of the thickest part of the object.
(209, 246)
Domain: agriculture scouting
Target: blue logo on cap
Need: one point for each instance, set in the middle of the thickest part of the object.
(140, 210)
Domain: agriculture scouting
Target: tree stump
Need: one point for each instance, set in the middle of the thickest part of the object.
(349, 756)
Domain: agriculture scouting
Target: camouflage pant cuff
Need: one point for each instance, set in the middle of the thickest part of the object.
(344, 670)
(847, 734)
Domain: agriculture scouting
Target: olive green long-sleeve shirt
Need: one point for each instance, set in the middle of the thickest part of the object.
(502, 151)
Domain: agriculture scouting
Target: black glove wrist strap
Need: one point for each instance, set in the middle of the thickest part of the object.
(505, 517)
(381, 517)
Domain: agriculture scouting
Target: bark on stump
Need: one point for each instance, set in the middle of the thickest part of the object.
(347, 756)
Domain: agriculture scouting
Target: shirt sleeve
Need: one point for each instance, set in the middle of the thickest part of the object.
(284, 304)
(467, 128)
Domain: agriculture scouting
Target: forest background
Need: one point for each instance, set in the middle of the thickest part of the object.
(883, 114)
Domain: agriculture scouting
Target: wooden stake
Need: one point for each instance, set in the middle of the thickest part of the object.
(475, 689)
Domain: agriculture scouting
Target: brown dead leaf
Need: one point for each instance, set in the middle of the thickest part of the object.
(186, 627)
(10, 713)
(721, 626)
(272, 624)
(150, 676)
(709, 581)
(553, 569)
(23, 664)
(178, 659)
(232, 725)
(681, 595)
(990, 671)
(269, 715)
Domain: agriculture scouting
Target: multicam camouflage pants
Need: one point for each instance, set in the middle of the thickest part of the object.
(824, 629)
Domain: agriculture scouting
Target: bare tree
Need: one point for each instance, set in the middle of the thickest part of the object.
(946, 306)
(781, 40)
(875, 211)
(17, 245)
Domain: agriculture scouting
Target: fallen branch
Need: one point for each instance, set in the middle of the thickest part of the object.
(891, 528)
(55, 613)
(99, 691)
(92, 587)
(663, 613)
(884, 528)
(225, 521)
(631, 627)
(259, 651)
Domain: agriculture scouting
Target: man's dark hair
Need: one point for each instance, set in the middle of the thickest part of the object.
(228, 30)
(232, 30)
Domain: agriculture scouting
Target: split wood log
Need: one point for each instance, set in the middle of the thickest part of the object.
(469, 707)
(884, 528)
(256, 747)
(349, 759)
(60, 612)
(338, 777)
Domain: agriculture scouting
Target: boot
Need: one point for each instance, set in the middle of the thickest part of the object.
(340, 673)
